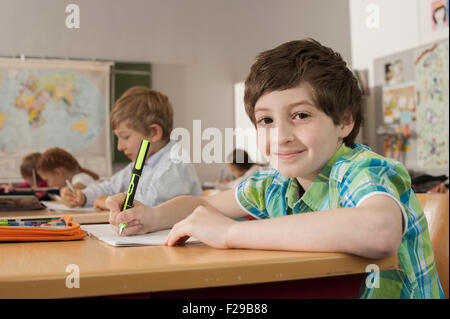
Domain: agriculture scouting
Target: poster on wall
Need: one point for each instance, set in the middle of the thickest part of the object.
(54, 103)
(393, 72)
(432, 86)
(433, 18)
(399, 104)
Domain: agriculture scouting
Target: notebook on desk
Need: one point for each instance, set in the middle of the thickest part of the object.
(63, 208)
(107, 234)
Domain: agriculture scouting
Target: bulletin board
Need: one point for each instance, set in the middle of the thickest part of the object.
(412, 91)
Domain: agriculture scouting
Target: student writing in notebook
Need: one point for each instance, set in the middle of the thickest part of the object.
(56, 166)
(142, 113)
(324, 192)
(29, 174)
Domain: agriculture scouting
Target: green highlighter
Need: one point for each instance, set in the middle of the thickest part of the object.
(135, 175)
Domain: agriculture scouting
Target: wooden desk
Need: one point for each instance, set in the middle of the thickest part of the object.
(81, 217)
(38, 270)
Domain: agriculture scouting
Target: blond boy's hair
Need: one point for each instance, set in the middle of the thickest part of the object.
(139, 107)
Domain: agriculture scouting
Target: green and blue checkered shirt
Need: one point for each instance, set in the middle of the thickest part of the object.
(351, 176)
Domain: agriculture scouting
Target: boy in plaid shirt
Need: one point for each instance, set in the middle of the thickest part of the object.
(306, 106)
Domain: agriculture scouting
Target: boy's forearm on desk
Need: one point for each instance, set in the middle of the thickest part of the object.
(349, 230)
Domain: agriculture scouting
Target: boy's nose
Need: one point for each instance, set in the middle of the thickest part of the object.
(120, 146)
(284, 133)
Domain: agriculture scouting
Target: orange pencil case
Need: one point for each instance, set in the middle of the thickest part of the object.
(29, 233)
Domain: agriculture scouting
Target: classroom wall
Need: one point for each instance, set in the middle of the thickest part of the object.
(402, 25)
(198, 48)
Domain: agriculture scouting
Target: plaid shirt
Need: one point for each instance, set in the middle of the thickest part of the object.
(351, 176)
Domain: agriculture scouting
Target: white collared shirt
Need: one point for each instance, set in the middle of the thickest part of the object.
(163, 177)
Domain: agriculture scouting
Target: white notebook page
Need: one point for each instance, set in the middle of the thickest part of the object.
(106, 233)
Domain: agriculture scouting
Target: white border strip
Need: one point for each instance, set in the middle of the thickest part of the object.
(405, 216)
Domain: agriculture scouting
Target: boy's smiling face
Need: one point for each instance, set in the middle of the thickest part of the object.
(304, 139)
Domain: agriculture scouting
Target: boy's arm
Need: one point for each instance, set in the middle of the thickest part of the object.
(117, 183)
(373, 230)
(143, 219)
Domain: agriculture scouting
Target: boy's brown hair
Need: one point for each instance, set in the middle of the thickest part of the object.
(335, 89)
(56, 157)
(141, 107)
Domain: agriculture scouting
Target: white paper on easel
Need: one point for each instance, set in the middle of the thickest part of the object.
(106, 233)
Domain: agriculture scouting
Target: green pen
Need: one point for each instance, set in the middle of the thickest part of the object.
(135, 174)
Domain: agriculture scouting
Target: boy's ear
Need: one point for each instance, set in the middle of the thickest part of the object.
(346, 125)
(156, 133)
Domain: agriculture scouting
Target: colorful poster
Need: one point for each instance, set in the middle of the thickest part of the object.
(393, 72)
(432, 86)
(433, 20)
(439, 15)
(399, 104)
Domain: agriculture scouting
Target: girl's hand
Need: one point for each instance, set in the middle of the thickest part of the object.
(71, 199)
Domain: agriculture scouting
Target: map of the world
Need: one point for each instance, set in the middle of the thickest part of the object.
(48, 108)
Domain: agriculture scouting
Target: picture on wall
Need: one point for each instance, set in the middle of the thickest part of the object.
(439, 14)
(432, 86)
(399, 104)
(54, 103)
(393, 72)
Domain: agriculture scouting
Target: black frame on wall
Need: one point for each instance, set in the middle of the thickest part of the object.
(125, 75)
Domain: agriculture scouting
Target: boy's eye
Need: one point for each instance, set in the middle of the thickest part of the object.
(301, 116)
(265, 121)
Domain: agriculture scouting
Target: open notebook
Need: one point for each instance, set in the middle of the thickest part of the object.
(63, 208)
(106, 233)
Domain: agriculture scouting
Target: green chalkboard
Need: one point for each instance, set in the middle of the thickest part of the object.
(125, 75)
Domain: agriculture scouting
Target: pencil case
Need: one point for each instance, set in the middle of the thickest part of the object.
(72, 231)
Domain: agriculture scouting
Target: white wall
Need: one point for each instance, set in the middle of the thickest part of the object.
(199, 48)
(402, 25)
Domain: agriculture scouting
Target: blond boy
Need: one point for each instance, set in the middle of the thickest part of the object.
(142, 113)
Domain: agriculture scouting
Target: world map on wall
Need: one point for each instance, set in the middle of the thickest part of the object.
(42, 108)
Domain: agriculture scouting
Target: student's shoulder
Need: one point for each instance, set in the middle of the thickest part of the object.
(361, 158)
(265, 179)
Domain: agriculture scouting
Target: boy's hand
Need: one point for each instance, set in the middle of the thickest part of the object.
(71, 199)
(139, 218)
(99, 202)
(206, 224)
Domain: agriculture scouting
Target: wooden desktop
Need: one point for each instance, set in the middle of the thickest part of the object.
(44, 269)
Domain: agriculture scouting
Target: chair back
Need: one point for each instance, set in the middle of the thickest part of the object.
(435, 207)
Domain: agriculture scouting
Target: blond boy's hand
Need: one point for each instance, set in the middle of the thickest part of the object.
(71, 199)
(100, 202)
(139, 218)
(206, 224)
